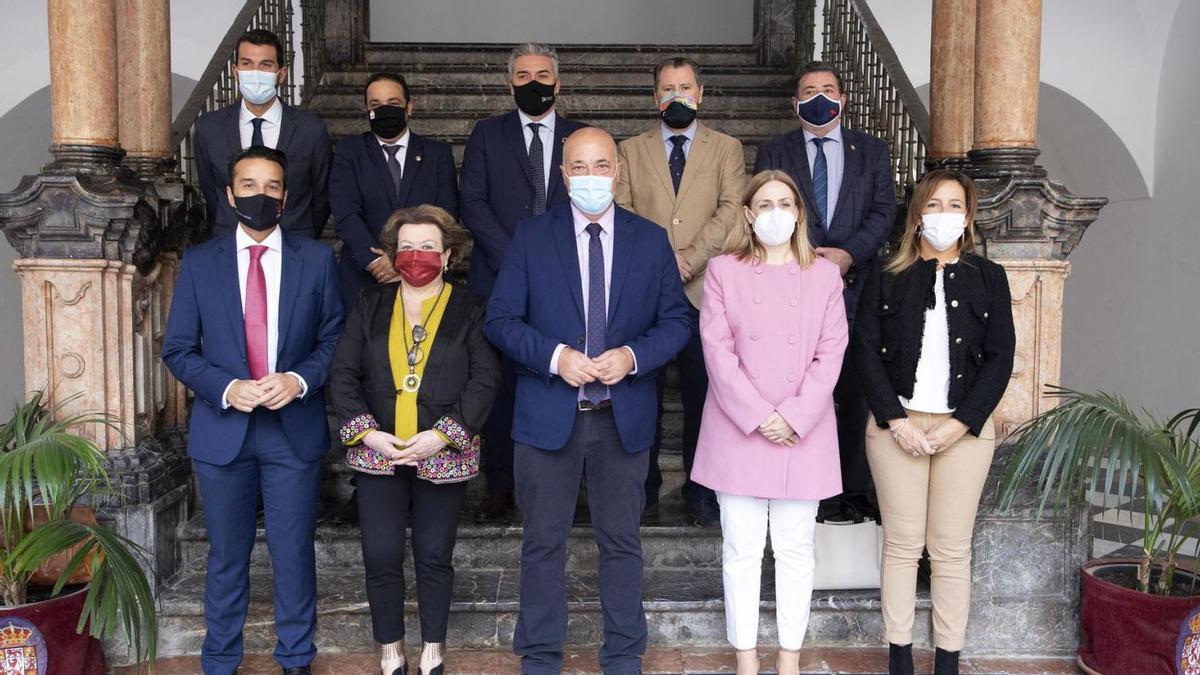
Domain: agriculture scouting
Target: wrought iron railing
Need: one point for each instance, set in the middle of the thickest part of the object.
(217, 87)
(883, 101)
(312, 44)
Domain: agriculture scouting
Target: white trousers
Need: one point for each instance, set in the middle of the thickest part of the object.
(744, 525)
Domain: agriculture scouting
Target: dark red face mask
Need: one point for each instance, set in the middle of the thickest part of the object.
(418, 268)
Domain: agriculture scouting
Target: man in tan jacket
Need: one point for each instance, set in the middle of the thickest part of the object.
(689, 179)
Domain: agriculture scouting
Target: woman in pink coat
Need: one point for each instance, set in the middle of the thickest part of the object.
(773, 326)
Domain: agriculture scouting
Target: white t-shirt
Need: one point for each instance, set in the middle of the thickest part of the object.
(932, 387)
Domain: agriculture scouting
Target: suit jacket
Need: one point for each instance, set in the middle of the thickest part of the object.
(205, 344)
(866, 207)
(774, 338)
(362, 196)
(537, 304)
(460, 380)
(497, 189)
(697, 219)
(302, 138)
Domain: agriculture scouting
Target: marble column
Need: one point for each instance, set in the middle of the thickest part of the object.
(1008, 42)
(83, 85)
(952, 82)
(144, 68)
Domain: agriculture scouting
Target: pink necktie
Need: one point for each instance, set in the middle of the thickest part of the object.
(256, 314)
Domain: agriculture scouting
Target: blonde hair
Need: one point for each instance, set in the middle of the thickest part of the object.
(908, 251)
(454, 236)
(741, 241)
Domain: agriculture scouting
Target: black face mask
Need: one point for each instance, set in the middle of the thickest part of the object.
(534, 98)
(678, 116)
(388, 121)
(258, 212)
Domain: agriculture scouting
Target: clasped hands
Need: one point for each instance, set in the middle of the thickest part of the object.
(382, 269)
(408, 452)
(577, 369)
(777, 430)
(915, 442)
(272, 392)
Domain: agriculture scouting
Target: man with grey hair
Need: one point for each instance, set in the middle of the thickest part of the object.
(510, 172)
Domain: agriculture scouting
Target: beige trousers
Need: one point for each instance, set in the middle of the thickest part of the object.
(928, 502)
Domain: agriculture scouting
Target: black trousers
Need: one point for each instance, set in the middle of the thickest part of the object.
(693, 389)
(547, 490)
(386, 506)
(497, 433)
(852, 411)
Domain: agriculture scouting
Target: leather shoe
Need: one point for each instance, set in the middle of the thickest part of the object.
(496, 508)
(298, 670)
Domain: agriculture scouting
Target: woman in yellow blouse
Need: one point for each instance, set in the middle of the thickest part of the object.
(413, 381)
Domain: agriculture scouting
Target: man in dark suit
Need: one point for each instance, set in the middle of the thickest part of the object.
(511, 172)
(588, 305)
(260, 118)
(846, 180)
(254, 322)
(380, 172)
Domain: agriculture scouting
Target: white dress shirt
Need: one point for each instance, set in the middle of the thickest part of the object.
(546, 133)
(583, 242)
(835, 160)
(273, 117)
(402, 142)
(931, 390)
(668, 132)
(272, 266)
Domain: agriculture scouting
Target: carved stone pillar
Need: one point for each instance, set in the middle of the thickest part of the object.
(951, 86)
(144, 83)
(83, 86)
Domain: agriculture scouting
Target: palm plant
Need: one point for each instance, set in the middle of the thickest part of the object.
(1097, 442)
(45, 471)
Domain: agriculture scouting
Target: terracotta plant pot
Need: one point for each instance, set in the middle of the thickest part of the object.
(1126, 631)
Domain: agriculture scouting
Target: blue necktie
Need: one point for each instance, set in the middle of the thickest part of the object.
(597, 311)
(821, 182)
(256, 137)
(538, 168)
(677, 160)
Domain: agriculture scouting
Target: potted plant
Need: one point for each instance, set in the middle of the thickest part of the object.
(46, 474)
(1131, 609)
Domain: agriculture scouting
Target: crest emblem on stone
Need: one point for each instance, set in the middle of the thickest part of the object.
(22, 648)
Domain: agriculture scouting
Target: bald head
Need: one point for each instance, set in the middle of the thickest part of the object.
(589, 151)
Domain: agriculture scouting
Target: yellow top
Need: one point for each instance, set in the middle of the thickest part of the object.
(406, 403)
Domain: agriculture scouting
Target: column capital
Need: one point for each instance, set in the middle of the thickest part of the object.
(1031, 217)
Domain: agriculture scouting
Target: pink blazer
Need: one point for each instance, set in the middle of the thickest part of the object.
(774, 337)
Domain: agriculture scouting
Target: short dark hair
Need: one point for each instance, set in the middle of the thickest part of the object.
(259, 152)
(262, 36)
(391, 77)
(818, 67)
(677, 62)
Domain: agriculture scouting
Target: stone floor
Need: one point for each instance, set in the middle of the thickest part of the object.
(662, 660)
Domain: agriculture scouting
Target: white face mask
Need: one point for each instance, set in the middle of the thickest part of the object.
(943, 230)
(591, 194)
(257, 86)
(774, 227)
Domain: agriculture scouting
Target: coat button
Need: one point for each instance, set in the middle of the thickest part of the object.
(791, 339)
(793, 302)
(883, 350)
(754, 336)
(580, 340)
(757, 269)
(958, 376)
(674, 221)
(791, 270)
(958, 341)
(885, 307)
(954, 303)
(754, 376)
(791, 378)
(985, 315)
(952, 275)
(757, 300)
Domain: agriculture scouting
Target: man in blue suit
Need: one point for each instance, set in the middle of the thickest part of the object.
(589, 306)
(846, 180)
(254, 322)
(511, 172)
(380, 172)
(260, 118)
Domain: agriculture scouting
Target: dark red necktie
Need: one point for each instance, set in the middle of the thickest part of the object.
(256, 314)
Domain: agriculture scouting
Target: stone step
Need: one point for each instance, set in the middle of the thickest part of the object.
(669, 541)
(683, 608)
(496, 55)
(422, 77)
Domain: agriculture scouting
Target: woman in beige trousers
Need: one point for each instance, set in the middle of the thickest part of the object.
(934, 345)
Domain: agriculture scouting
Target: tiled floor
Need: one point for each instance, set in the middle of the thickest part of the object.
(656, 661)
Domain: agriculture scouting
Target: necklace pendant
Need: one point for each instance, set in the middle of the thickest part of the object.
(411, 383)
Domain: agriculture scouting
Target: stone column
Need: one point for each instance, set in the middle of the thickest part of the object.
(83, 85)
(1008, 42)
(144, 67)
(952, 82)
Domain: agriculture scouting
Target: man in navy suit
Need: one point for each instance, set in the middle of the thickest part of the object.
(846, 180)
(588, 305)
(380, 172)
(511, 172)
(260, 118)
(254, 322)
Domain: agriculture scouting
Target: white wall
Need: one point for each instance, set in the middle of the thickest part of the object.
(564, 21)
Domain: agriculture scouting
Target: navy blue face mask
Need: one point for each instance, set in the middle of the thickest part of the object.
(258, 212)
(819, 110)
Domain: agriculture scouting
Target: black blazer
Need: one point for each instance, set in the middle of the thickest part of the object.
(891, 325)
(866, 207)
(460, 380)
(303, 139)
(362, 196)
